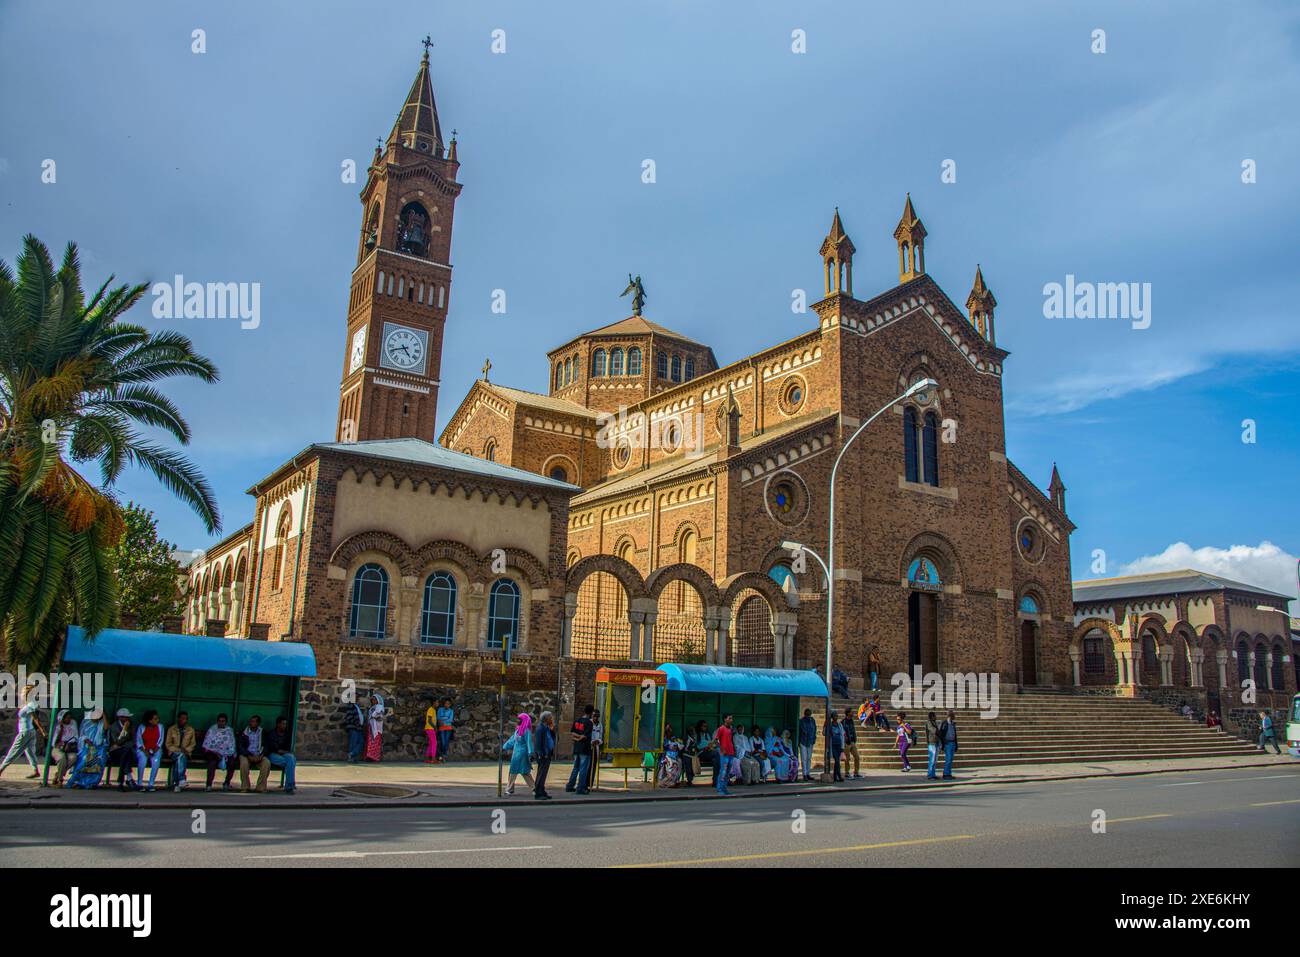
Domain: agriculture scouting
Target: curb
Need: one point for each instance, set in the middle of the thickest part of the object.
(817, 790)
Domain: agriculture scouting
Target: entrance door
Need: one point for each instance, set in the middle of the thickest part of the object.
(922, 632)
(1028, 657)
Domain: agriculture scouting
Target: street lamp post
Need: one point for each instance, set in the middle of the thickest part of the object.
(828, 566)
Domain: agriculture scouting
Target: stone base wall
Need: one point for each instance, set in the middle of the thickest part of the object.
(1174, 698)
(320, 719)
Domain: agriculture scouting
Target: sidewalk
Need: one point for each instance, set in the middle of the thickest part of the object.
(323, 784)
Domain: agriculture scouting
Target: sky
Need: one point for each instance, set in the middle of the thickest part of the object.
(1178, 441)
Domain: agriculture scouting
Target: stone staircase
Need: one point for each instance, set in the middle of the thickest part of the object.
(1051, 728)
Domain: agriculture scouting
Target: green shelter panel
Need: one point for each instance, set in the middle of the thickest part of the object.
(155, 682)
(209, 684)
(273, 689)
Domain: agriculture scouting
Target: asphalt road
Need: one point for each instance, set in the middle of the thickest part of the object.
(1245, 818)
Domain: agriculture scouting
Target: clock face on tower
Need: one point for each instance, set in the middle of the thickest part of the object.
(358, 350)
(404, 349)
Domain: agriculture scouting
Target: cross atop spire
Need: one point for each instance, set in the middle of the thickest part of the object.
(417, 122)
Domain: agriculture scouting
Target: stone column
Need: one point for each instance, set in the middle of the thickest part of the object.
(1222, 657)
(724, 635)
(1075, 655)
(408, 611)
(637, 621)
(710, 640)
(1250, 667)
(1268, 671)
(237, 606)
(1198, 662)
(648, 636)
(566, 625)
(1166, 667)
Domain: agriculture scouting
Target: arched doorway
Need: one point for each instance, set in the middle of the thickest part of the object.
(923, 615)
(753, 644)
(1027, 613)
(601, 630)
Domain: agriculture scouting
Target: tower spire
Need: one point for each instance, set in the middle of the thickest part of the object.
(980, 304)
(910, 234)
(837, 255)
(1056, 489)
(417, 126)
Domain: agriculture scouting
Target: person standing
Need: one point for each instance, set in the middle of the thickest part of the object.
(873, 667)
(67, 737)
(219, 751)
(544, 749)
(179, 745)
(905, 738)
(354, 724)
(24, 742)
(580, 732)
(933, 741)
(446, 729)
(807, 739)
(1266, 732)
(375, 729)
(850, 744)
(278, 747)
(252, 753)
(520, 748)
(834, 733)
(431, 732)
(726, 755)
(149, 746)
(597, 741)
(948, 737)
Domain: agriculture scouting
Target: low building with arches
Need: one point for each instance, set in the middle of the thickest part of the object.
(1184, 636)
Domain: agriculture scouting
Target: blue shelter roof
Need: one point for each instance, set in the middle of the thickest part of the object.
(719, 679)
(157, 649)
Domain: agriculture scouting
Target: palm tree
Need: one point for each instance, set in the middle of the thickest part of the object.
(74, 383)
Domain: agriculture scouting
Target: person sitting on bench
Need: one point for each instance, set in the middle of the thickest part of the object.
(277, 744)
(179, 745)
(219, 750)
(252, 753)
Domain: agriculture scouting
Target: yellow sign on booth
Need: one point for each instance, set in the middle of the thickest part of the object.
(631, 704)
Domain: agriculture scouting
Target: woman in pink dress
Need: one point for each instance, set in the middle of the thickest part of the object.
(375, 729)
(904, 739)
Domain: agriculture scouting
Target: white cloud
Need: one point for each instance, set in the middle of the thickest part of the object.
(1264, 565)
(1108, 380)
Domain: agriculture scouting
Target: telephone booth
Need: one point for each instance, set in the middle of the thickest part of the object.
(632, 707)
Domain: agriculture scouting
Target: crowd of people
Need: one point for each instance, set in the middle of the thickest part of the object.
(84, 753)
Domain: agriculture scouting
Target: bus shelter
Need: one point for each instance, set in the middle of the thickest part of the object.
(762, 697)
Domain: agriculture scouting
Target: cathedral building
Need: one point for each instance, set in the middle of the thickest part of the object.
(635, 507)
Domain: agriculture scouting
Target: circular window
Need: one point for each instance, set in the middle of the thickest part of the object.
(559, 474)
(622, 453)
(793, 394)
(672, 435)
(787, 499)
(1029, 540)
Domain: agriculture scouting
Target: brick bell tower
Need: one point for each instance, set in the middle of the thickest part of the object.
(401, 285)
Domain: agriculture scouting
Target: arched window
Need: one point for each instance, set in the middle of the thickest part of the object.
(1029, 605)
(616, 362)
(780, 574)
(568, 370)
(369, 602)
(1261, 667)
(930, 446)
(1094, 659)
(559, 474)
(911, 467)
(503, 614)
(634, 361)
(598, 363)
(438, 615)
(282, 529)
(490, 450)
(661, 365)
(413, 230)
(1243, 661)
(690, 368)
(559, 374)
(677, 368)
(1279, 675)
(922, 574)
(1150, 658)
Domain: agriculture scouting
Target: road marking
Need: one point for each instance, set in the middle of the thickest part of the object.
(819, 850)
(1274, 803)
(353, 855)
(1145, 817)
(1183, 784)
